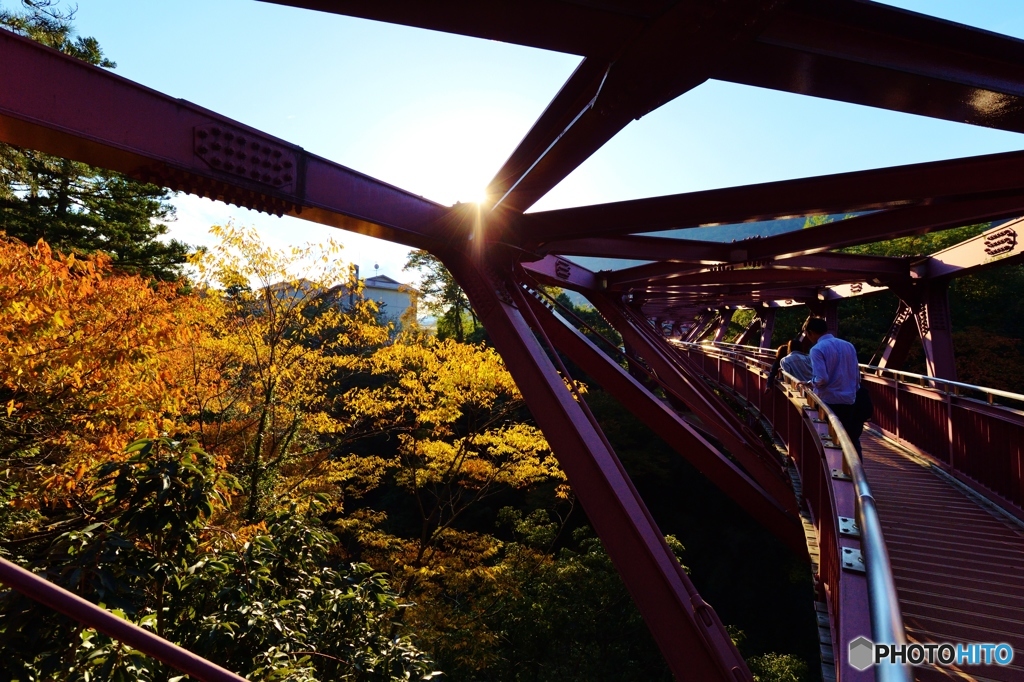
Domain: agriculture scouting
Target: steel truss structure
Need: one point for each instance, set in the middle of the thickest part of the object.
(637, 56)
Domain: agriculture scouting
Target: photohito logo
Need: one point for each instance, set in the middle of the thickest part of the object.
(864, 653)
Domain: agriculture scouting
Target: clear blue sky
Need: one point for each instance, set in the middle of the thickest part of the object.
(437, 114)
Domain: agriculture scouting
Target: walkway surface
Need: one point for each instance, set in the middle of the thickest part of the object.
(958, 566)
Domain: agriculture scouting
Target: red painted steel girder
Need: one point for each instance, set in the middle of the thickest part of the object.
(673, 53)
(717, 416)
(1002, 245)
(824, 263)
(895, 187)
(760, 277)
(871, 54)
(636, 62)
(732, 481)
(120, 125)
(638, 248)
(686, 629)
(149, 643)
(859, 52)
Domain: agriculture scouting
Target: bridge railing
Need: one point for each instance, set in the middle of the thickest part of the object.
(854, 573)
(974, 433)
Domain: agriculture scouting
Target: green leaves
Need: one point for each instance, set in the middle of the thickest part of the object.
(277, 606)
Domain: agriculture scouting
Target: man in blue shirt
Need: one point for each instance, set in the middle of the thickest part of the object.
(836, 376)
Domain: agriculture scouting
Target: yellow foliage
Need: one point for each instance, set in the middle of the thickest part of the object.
(456, 414)
(261, 388)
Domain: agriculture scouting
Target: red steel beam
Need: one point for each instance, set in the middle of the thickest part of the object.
(1001, 245)
(887, 225)
(673, 53)
(120, 125)
(560, 26)
(896, 346)
(686, 629)
(87, 613)
(638, 248)
(860, 52)
(870, 190)
(673, 430)
(871, 54)
(715, 414)
(769, 276)
(824, 262)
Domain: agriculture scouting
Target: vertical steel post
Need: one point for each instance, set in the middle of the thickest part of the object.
(933, 325)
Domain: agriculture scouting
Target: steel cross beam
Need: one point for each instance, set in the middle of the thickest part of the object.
(824, 264)
(664, 421)
(673, 53)
(748, 333)
(868, 53)
(687, 630)
(123, 126)
(899, 187)
(1000, 245)
(859, 52)
(724, 318)
(896, 345)
(714, 413)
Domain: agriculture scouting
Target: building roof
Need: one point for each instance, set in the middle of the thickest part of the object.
(385, 282)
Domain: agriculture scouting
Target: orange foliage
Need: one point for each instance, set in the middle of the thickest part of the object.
(88, 361)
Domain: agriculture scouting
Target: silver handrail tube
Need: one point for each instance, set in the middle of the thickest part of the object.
(886, 619)
(945, 382)
(874, 369)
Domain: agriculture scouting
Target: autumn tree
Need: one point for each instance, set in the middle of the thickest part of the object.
(261, 390)
(88, 362)
(75, 207)
(455, 419)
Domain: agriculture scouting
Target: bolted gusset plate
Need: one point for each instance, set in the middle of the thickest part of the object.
(243, 154)
(853, 560)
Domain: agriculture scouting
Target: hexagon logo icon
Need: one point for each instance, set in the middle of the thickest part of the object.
(862, 653)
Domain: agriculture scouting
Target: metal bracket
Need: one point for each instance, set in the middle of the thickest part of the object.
(848, 527)
(840, 475)
(853, 560)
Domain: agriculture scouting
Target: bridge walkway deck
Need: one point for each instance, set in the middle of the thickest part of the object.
(958, 565)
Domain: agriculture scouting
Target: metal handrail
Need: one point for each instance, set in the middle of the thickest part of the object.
(877, 371)
(945, 382)
(886, 619)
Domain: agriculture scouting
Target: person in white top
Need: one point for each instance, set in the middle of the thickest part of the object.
(791, 357)
(835, 376)
(798, 362)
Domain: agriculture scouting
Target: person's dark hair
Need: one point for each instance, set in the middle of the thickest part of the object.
(818, 325)
(782, 351)
(800, 344)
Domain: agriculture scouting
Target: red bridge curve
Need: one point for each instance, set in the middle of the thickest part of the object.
(887, 568)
